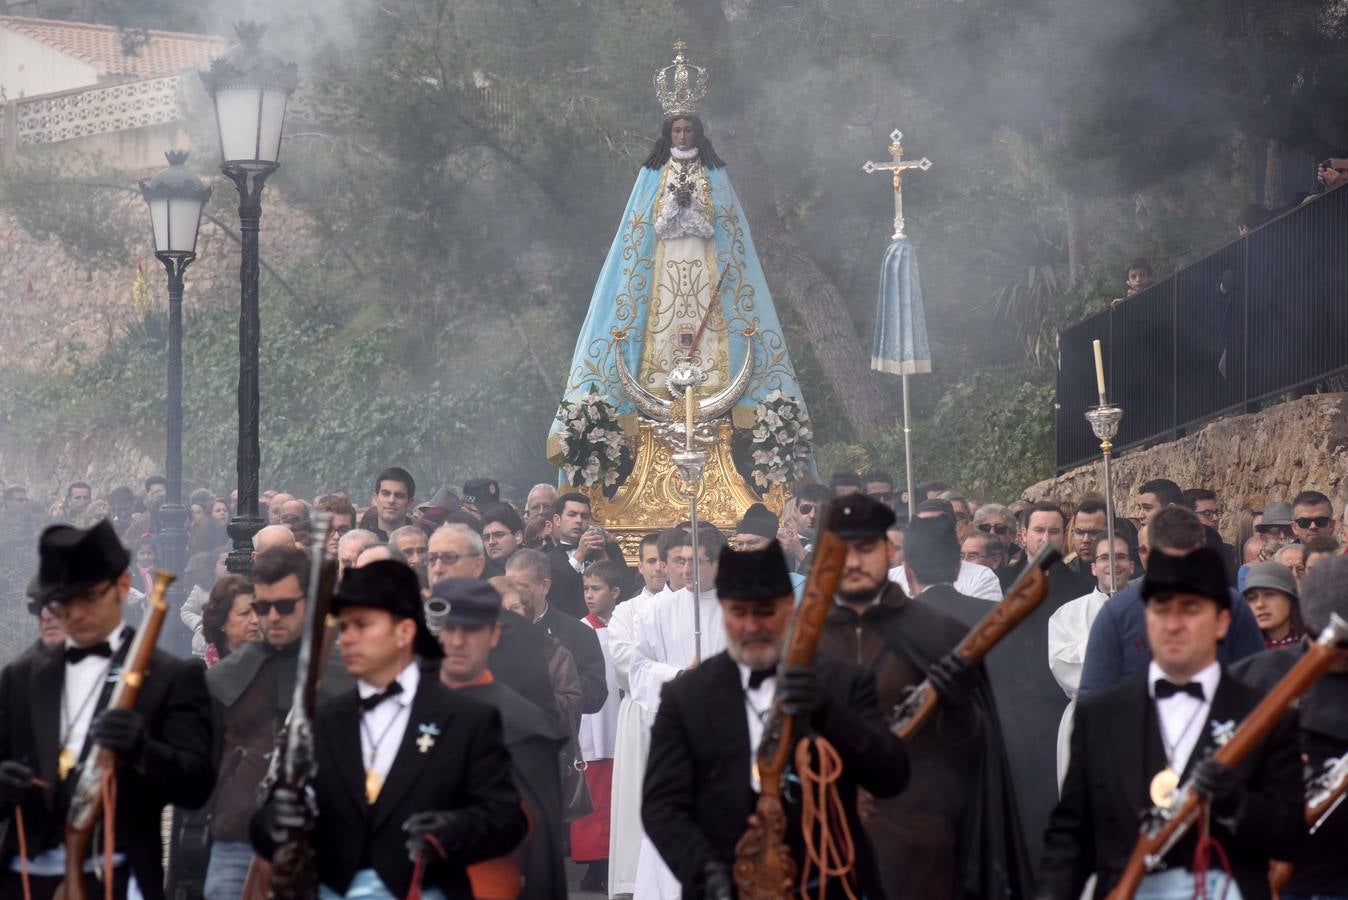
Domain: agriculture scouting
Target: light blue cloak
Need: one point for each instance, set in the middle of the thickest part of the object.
(622, 294)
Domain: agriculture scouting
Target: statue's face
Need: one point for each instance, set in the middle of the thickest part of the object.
(681, 134)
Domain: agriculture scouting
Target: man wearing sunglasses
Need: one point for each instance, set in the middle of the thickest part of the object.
(251, 691)
(1312, 516)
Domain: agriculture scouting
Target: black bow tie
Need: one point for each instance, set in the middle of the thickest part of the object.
(75, 654)
(758, 676)
(370, 702)
(1166, 689)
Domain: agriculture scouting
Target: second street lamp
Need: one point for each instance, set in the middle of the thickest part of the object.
(249, 88)
(176, 198)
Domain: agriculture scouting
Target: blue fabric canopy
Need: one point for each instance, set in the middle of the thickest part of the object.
(900, 324)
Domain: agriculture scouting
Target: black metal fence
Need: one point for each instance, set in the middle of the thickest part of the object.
(1264, 315)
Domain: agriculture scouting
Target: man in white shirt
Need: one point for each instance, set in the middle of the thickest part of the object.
(1069, 628)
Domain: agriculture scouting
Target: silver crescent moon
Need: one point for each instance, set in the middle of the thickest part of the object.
(661, 410)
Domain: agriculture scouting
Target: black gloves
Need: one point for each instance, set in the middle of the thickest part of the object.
(122, 731)
(716, 881)
(954, 679)
(446, 826)
(800, 692)
(16, 781)
(1221, 784)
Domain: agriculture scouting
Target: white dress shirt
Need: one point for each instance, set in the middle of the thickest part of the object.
(386, 723)
(973, 580)
(1182, 717)
(757, 702)
(84, 681)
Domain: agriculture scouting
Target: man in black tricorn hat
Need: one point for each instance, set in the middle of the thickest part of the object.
(1134, 744)
(955, 831)
(403, 762)
(53, 711)
(701, 783)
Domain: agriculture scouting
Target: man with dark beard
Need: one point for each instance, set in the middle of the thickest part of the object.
(701, 783)
(954, 831)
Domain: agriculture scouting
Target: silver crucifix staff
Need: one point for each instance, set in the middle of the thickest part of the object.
(897, 165)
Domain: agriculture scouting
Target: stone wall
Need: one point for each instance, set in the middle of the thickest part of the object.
(1248, 460)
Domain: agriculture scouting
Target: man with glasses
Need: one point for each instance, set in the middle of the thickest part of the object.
(879, 486)
(251, 691)
(502, 535)
(1276, 523)
(455, 551)
(54, 699)
(343, 519)
(997, 520)
(1087, 527)
(1312, 516)
(983, 550)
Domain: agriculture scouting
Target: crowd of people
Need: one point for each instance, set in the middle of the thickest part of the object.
(609, 678)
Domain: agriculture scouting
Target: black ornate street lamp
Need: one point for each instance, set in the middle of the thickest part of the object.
(175, 197)
(249, 87)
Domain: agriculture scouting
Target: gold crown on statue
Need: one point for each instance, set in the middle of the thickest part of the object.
(680, 85)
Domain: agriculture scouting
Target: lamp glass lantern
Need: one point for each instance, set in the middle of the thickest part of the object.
(250, 87)
(176, 199)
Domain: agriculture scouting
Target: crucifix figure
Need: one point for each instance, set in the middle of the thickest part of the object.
(897, 165)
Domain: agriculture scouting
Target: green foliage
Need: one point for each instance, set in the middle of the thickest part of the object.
(90, 209)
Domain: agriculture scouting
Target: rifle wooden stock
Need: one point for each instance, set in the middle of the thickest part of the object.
(1162, 828)
(764, 869)
(86, 804)
(1023, 597)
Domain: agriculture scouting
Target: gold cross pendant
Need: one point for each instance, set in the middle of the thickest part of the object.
(65, 763)
(373, 784)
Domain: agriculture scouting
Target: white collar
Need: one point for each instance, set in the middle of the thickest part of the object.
(409, 678)
(1208, 676)
(683, 155)
(114, 639)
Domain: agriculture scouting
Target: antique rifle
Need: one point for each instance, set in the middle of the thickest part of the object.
(95, 794)
(764, 869)
(1323, 795)
(1163, 827)
(292, 764)
(1024, 596)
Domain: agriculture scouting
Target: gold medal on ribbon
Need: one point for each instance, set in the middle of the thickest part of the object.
(65, 763)
(1163, 786)
(373, 784)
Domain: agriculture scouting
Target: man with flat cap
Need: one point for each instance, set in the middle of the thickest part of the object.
(469, 630)
(701, 781)
(955, 832)
(53, 711)
(403, 762)
(1134, 744)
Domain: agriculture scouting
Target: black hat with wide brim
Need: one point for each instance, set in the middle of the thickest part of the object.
(390, 585)
(71, 560)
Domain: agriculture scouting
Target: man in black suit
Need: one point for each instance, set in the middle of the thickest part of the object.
(577, 545)
(529, 570)
(53, 711)
(1134, 743)
(401, 759)
(701, 783)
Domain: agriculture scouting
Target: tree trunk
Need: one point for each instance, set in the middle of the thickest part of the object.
(1072, 212)
(1273, 197)
(793, 276)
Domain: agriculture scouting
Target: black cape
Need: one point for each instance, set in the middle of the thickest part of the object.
(990, 859)
(534, 742)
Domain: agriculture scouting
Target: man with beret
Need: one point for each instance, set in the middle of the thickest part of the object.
(403, 763)
(1320, 867)
(1134, 744)
(949, 834)
(53, 711)
(701, 782)
(469, 630)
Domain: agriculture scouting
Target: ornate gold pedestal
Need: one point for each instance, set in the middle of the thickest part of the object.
(654, 497)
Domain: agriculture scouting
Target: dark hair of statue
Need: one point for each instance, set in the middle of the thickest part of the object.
(705, 152)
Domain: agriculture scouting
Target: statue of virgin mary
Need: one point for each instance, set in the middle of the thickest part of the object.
(682, 286)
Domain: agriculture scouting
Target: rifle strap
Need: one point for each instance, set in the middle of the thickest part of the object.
(109, 790)
(419, 867)
(1207, 845)
(23, 852)
(827, 836)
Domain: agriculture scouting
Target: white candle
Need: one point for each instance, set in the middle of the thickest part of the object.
(1099, 371)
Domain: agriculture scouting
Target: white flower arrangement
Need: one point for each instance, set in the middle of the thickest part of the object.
(592, 442)
(781, 441)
